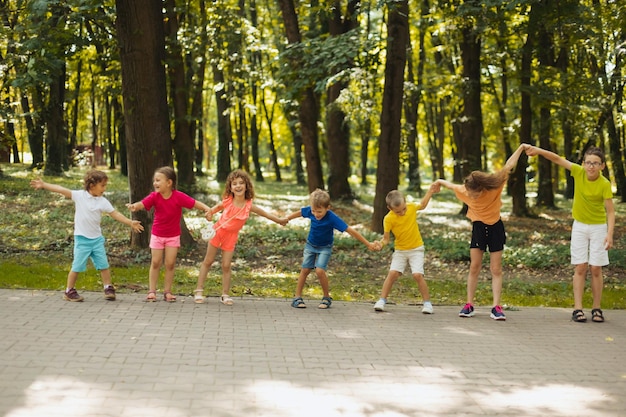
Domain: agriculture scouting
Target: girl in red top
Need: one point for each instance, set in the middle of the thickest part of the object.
(236, 206)
(168, 205)
(481, 192)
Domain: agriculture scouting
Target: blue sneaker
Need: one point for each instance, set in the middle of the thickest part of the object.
(497, 313)
(467, 311)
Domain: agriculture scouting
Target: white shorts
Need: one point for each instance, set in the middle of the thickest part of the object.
(413, 257)
(587, 244)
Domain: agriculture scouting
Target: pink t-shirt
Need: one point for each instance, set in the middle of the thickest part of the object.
(167, 212)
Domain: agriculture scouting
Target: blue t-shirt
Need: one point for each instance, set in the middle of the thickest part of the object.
(321, 233)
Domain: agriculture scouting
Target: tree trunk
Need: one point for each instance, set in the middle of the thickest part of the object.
(308, 112)
(184, 147)
(224, 133)
(471, 127)
(337, 130)
(141, 39)
(33, 128)
(56, 143)
(390, 120)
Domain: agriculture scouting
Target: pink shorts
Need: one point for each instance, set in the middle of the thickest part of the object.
(158, 242)
(225, 240)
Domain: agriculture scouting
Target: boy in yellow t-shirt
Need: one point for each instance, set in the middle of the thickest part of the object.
(408, 245)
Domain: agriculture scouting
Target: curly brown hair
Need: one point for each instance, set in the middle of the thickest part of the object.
(93, 177)
(239, 173)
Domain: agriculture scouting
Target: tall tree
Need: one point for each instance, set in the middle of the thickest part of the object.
(141, 40)
(390, 120)
(308, 111)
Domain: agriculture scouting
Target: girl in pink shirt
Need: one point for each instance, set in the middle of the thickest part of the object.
(168, 205)
(236, 207)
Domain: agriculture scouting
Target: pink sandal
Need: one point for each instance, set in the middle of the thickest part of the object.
(169, 297)
(151, 298)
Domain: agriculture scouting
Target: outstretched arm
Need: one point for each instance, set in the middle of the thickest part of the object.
(38, 184)
(355, 234)
(435, 187)
(134, 224)
(550, 156)
(512, 161)
(294, 215)
(199, 205)
(133, 207)
(270, 216)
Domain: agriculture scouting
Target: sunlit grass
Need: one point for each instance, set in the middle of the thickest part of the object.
(36, 248)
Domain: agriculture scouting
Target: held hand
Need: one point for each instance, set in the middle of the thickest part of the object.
(208, 214)
(532, 150)
(435, 187)
(283, 221)
(37, 184)
(131, 207)
(136, 226)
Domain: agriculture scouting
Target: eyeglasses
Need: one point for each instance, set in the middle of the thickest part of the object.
(592, 164)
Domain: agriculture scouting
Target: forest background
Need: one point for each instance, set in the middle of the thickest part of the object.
(355, 97)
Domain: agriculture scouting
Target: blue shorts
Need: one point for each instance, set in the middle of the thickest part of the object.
(316, 256)
(85, 249)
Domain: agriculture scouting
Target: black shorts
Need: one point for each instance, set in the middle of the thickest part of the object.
(492, 236)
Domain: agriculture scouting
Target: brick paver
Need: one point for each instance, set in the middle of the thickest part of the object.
(261, 357)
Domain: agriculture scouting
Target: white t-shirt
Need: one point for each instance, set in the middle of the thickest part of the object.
(88, 213)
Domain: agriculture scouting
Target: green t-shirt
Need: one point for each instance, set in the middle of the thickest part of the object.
(589, 197)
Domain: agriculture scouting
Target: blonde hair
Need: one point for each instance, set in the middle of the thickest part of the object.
(239, 173)
(319, 199)
(394, 198)
(93, 177)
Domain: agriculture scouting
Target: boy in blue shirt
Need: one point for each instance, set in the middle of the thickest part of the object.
(319, 244)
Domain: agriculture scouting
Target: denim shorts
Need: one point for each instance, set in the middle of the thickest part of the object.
(85, 249)
(316, 256)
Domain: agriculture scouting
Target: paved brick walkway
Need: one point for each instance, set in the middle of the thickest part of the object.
(263, 358)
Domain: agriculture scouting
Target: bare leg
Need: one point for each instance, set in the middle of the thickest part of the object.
(71, 279)
(304, 273)
(391, 279)
(227, 258)
(422, 286)
(495, 261)
(105, 274)
(596, 285)
(580, 274)
(323, 278)
(170, 267)
(476, 260)
(155, 268)
(205, 266)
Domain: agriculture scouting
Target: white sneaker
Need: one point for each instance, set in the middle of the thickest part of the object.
(380, 305)
(428, 308)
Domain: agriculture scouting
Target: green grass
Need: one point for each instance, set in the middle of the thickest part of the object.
(36, 248)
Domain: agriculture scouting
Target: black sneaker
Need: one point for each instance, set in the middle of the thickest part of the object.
(109, 293)
(72, 295)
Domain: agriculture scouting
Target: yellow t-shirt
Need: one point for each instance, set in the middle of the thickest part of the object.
(404, 228)
(485, 208)
(588, 206)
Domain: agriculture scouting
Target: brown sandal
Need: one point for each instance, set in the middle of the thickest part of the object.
(151, 298)
(169, 297)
